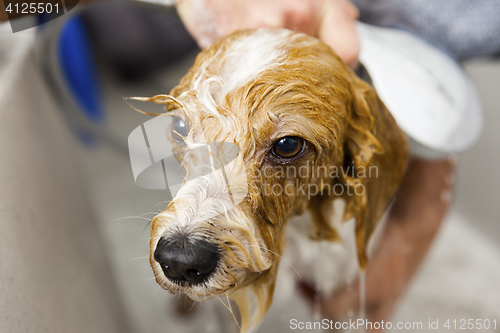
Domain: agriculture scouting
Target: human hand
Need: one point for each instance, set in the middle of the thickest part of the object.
(332, 21)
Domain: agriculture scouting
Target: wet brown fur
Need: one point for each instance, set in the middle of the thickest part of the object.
(311, 93)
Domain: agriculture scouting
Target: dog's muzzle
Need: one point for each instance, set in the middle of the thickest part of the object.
(185, 261)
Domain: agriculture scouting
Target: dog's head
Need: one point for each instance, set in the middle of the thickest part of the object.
(291, 128)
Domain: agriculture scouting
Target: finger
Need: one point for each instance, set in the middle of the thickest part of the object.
(338, 30)
(199, 19)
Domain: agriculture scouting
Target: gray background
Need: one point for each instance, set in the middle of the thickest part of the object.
(458, 280)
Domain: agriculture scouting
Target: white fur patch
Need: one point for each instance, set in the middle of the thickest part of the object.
(252, 55)
(328, 265)
(241, 63)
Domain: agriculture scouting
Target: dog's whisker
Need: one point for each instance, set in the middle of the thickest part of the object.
(255, 245)
(246, 64)
(228, 302)
(233, 256)
(281, 257)
(144, 264)
(149, 279)
(228, 272)
(192, 306)
(157, 288)
(228, 307)
(149, 213)
(146, 226)
(131, 217)
(161, 202)
(257, 254)
(139, 258)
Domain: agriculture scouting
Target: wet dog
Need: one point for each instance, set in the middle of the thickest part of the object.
(288, 128)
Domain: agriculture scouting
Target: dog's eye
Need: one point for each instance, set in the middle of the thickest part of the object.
(288, 147)
(179, 129)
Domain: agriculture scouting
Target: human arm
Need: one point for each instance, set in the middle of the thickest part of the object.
(414, 220)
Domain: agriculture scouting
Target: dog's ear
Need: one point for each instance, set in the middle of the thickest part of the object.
(376, 150)
(375, 155)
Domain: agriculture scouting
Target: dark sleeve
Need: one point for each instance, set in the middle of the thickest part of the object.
(462, 28)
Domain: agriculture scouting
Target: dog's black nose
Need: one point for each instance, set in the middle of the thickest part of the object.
(185, 261)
